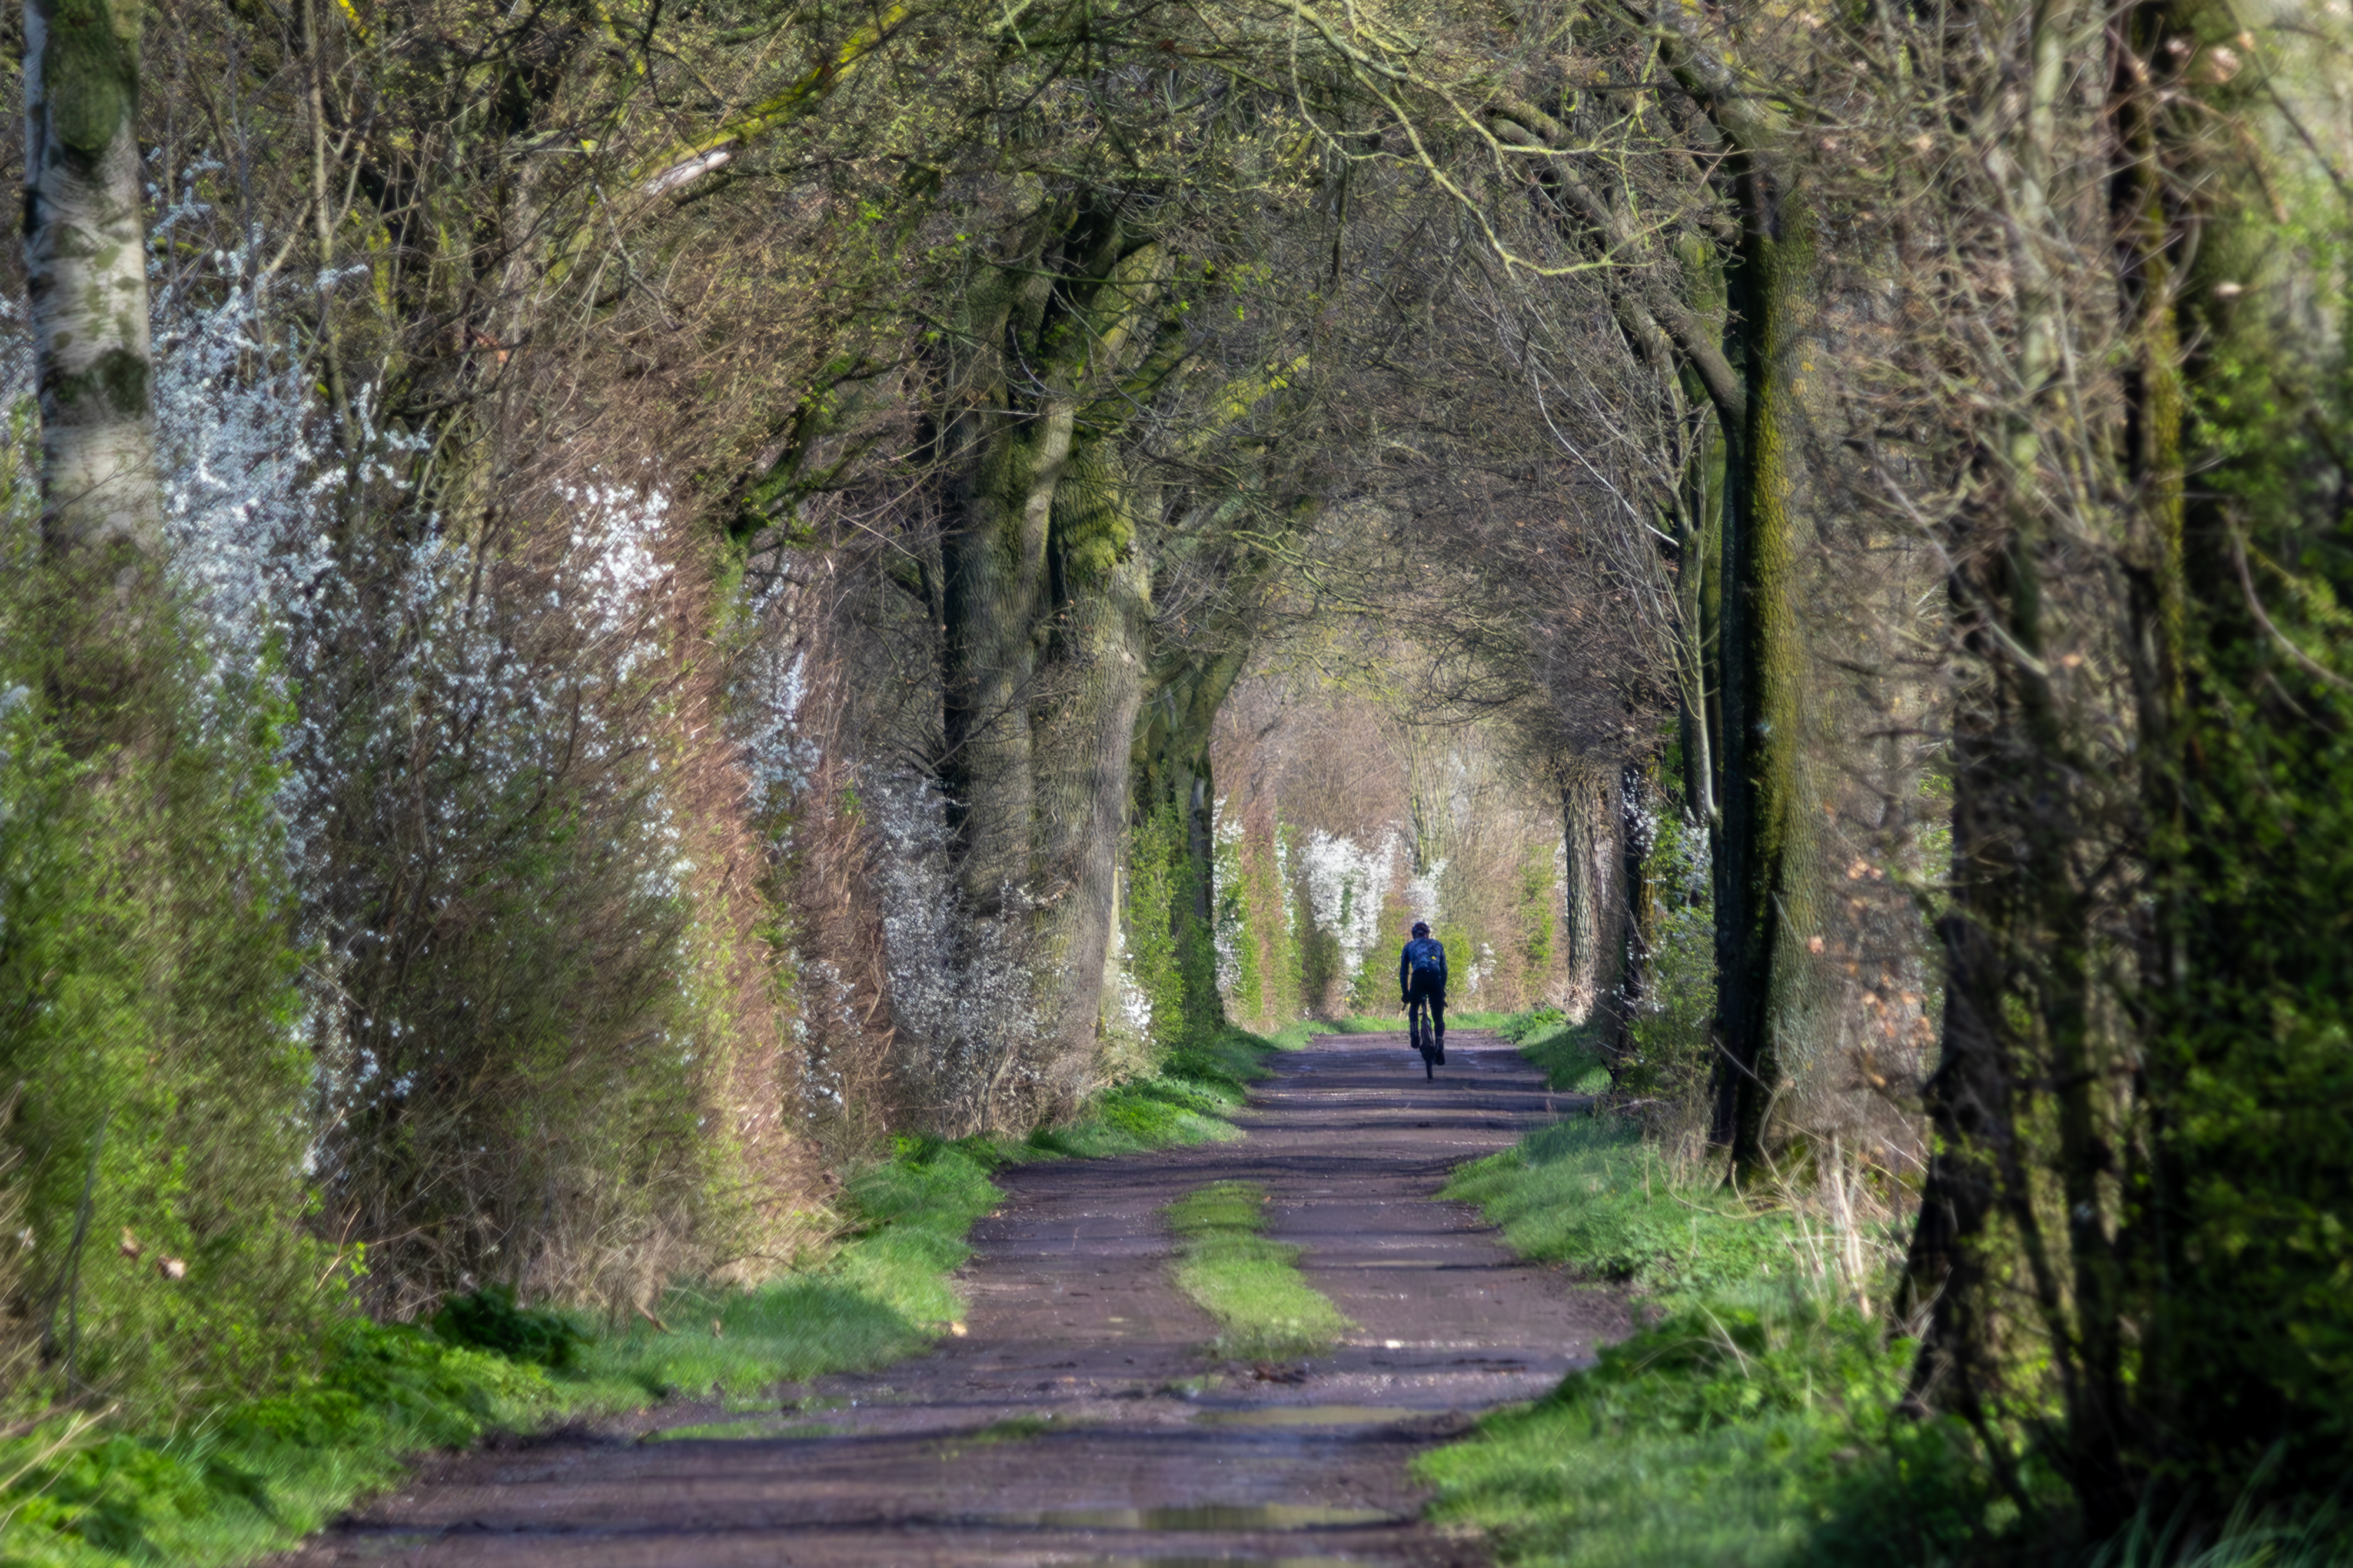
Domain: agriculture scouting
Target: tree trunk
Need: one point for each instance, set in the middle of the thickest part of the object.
(2019, 942)
(1084, 732)
(1589, 811)
(1638, 919)
(1045, 606)
(1173, 774)
(85, 284)
(1765, 888)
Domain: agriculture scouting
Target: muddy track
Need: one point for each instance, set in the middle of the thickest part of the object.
(1079, 1421)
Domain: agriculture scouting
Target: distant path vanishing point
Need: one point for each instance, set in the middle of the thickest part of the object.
(1078, 1422)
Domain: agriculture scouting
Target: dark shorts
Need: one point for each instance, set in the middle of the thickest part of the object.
(1435, 998)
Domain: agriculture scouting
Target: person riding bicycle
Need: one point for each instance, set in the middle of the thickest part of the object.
(1422, 977)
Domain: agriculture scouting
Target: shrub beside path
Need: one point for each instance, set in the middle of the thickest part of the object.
(1078, 1418)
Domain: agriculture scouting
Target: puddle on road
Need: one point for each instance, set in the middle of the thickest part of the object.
(1310, 1416)
(1211, 1516)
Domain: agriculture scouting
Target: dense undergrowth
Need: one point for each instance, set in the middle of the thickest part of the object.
(1752, 1418)
(77, 1491)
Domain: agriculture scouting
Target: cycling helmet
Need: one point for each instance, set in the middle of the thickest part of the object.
(1421, 927)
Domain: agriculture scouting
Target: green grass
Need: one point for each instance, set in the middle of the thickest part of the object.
(256, 1475)
(1590, 1192)
(1726, 1435)
(1748, 1424)
(1567, 1051)
(1250, 1285)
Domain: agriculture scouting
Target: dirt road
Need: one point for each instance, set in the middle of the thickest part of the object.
(1079, 1422)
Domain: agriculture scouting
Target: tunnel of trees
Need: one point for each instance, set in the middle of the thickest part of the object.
(611, 603)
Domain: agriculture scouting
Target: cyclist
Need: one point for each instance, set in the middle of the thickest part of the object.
(1421, 976)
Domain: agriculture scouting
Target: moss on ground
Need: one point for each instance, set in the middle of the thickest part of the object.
(257, 1475)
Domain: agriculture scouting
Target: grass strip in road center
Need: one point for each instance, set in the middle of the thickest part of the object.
(1250, 1285)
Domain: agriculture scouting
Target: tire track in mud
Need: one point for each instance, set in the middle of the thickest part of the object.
(1079, 1420)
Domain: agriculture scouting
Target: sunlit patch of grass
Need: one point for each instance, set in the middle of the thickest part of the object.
(1250, 1285)
(1587, 1191)
(1568, 1053)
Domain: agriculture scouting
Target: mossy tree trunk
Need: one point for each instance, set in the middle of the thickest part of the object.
(85, 285)
(1173, 778)
(1045, 605)
(1765, 870)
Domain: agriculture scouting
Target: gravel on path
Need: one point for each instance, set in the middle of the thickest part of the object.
(1079, 1421)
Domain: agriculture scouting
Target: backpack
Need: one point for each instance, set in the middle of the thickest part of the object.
(1427, 958)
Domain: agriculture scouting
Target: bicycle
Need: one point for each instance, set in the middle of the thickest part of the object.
(1421, 1031)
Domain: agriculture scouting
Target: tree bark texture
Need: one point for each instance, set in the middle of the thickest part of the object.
(1638, 927)
(1592, 900)
(1765, 870)
(86, 287)
(1765, 889)
(1046, 604)
(1172, 773)
(86, 276)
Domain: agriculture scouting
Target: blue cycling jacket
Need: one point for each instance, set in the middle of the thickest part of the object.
(1424, 960)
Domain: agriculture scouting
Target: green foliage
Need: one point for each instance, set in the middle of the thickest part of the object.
(1753, 1422)
(1250, 1285)
(1755, 1432)
(260, 1472)
(1242, 912)
(1172, 954)
(1374, 980)
(2245, 1309)
(1570, 1054)
(489, 1319)
(1591, 1192)
(1285, 907)
(1672, 1053)
(1155, 888)
(154, 1080)
(1539, 918)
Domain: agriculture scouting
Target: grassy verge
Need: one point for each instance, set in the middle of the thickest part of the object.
(1589, 1191)
(1565, 1050)
(1250, 1285)
(1748, 1424)
(255, 1475)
